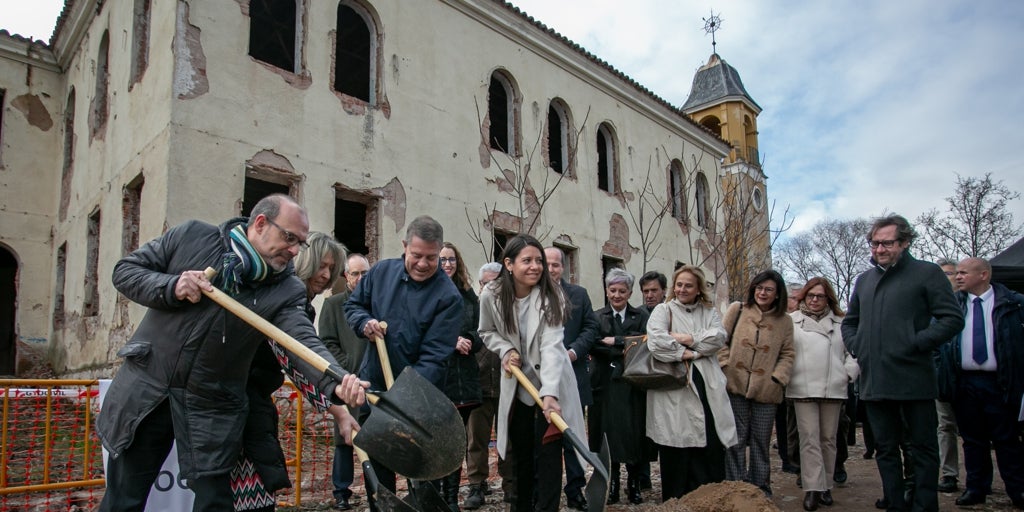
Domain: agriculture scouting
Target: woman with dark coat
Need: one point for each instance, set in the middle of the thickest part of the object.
(462, 374)
(619, 409)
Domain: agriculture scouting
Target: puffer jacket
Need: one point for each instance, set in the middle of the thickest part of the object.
(822, 367)
(197, 356)
(758, 358)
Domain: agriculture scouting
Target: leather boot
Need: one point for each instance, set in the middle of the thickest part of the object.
(633, 489)
(451, 489)
(811, 501)
(613, 485)
(475, 499)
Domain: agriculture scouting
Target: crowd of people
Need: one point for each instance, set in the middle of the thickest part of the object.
(902, 343)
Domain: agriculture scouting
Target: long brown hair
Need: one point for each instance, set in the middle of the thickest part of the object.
(830, 294)
(461, 277)
(552, 303)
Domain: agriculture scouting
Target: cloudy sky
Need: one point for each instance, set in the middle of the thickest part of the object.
(869, 105)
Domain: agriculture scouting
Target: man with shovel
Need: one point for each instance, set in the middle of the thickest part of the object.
(186, 366)
(422, 309)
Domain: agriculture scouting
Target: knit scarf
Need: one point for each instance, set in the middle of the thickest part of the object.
(241, 265)
(810, 314)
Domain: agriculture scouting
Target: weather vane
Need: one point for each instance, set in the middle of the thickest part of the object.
(711, 25)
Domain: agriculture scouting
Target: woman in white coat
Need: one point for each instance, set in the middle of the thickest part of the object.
(521, 317)
(692, 426)
(822, 369)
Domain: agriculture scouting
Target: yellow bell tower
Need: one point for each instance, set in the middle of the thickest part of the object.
(719, 102)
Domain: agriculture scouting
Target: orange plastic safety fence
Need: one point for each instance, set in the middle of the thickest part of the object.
(51, 459)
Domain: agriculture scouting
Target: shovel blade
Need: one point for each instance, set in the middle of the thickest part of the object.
(597, 488)
(427, 497)
(414, 430)
(386, 501)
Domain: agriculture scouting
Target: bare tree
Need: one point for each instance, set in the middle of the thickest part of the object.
(977, 223)
(833, 249)
(646, 214)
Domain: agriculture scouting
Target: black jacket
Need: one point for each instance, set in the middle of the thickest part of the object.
(198, 356)
(580, 332)
(462, 373)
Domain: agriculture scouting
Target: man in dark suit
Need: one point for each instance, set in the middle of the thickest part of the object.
(988, 357)
(653, 285)
(579, 334)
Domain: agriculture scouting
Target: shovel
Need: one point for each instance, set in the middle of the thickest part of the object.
(408, 424)
(385, 500)
(597, 487)
(425, 494)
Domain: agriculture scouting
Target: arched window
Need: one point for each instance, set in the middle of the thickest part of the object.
(69, 155)
(701, 198)
(355, 64)
(560, 141)
(712, 123)
(503, 113)
(607, 159)
(140, 41)
(274, 33)
(750, 138)
(98, 112)
(677, 190)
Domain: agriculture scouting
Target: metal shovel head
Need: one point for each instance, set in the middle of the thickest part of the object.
(386, 501)
(597, 488)
(427, 498)
(414, 430)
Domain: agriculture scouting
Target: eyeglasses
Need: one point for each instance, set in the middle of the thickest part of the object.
(816, 296)
(444, 261)
(888, 244)
(356, 273)
(766, 289)
(290, 238)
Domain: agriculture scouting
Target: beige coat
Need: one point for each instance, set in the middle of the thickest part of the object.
(823, 367)
(758, 359)
(676, 417)
(549, 368)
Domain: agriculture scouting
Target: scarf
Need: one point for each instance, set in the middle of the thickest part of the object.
(241, 265)
(810, 314)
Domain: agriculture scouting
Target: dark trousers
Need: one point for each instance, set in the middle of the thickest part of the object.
(917, 421)
(575, 479)
(842, 450)
(537, 484)
(685, 469)
(987, 422)
(131, 475)
(342, 472)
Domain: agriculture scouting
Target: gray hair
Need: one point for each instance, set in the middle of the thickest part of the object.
(617, 275)
(308, 260)
(356, 255)
(493, 266)
(425, 228)
(945, 262)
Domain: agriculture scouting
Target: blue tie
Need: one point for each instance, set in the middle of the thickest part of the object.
(980, 352)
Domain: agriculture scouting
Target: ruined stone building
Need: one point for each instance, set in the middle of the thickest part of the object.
(138, 115)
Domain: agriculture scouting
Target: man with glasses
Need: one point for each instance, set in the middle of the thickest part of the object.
(422, 309)
(186, 366)
(900, 311)
(348, 348)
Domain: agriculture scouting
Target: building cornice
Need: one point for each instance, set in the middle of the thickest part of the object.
(27, 51)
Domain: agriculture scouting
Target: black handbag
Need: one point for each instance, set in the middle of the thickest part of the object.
(643, 371)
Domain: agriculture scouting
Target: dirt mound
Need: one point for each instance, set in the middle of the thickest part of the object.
(722, 497)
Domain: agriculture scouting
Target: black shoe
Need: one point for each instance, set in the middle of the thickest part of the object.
(633, 491)
(578, 503)
(840, 476)
(811, 501)
(475, 499)
(342, 504)
(882, 503)
(826, 498)
(799, 481)
(948, 484)
(790, 468)
(969, 498)
(870, 454)
(613, 492)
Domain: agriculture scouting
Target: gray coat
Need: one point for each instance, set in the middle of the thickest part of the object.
(896, 318)
(196, 355)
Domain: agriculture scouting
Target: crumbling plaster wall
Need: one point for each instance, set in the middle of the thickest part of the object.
(29, 149)
(438, 63)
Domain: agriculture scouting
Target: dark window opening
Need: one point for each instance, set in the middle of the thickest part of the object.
(712, 123)
(570, 264)
(676, 189)
(353, 55)
(604, 171)
(350, 225)
(498, 109)
(131, 211)
(140, 41)
(608, 263)
(100, 105)
(272, 32)
(3, 106)
(499, 241)
(69, 155)
(256, 189)
(703, 211)
(8, 312)
(556, 140)
(91, 304)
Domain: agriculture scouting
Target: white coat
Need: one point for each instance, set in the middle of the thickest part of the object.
(549, 368)
(676, 417)
(822, 367)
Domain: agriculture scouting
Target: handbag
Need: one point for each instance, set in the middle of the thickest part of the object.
(642, 370)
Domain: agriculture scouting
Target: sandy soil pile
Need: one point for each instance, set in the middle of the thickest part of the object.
(722, 497)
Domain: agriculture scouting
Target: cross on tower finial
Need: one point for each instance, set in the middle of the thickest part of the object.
(711, 25)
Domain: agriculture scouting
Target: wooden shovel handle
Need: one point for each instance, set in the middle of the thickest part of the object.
(385, 361)
(528, 386)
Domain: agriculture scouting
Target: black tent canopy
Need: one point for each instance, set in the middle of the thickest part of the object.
(1008, 266)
